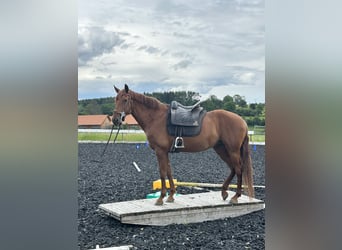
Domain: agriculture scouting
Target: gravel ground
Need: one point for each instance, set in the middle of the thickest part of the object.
(116, 179)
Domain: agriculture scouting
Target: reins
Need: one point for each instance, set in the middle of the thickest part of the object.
(104, 150)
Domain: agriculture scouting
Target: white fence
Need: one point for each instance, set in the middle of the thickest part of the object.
(123, 131)
(139, 131)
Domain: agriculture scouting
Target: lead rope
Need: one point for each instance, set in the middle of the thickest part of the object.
(104, 150)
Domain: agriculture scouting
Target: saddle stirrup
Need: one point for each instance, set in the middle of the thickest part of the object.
(179, 142)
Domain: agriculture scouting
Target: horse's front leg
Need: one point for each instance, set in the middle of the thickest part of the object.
(163, 162)
(172, 184)
(159, 201)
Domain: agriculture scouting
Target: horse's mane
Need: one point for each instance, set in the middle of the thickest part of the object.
(150, 102)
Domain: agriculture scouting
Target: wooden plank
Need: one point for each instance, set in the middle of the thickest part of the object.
(126, 247)
(185, 209)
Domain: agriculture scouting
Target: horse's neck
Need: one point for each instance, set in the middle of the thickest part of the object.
(145, 115)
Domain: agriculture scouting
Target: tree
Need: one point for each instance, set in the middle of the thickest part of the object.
(244, 111)
(252, 106)
(260, 109)
(212, 103)
(184, 97)
(240, 101)
(107, 108)
(81, 110)
(228, 103)
(93, 108)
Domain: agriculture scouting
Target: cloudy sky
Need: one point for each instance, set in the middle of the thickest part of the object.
(211, 47)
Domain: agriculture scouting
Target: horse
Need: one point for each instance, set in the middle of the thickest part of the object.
(224, 131)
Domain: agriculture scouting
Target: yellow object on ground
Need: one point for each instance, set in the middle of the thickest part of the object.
(157, 184)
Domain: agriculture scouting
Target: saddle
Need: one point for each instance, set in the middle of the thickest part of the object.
(185, 115)
(184, 121)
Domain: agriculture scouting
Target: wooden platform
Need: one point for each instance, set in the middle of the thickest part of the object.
(127, 247)
(185, 209)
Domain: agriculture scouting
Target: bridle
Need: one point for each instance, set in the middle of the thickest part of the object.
(122, 119)
(127, 106)
(122, 116)
(105, 148)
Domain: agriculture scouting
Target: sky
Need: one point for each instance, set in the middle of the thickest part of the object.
(214, 47)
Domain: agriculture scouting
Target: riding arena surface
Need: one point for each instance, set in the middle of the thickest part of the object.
(116, 179)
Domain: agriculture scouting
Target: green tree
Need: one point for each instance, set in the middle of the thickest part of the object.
(228, 103)
(184, 97)
(81, 110)
(107, 108)
(212, 103)
(244, 111)
(240, 101)
(252, 106)
(260, 107)
(93, 108)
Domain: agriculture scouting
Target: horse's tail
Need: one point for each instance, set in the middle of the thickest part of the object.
(247, 170)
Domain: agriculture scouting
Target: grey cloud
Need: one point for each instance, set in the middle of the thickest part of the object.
(125, 46)
(252, 6)
(181, 54)
(142, 47)
(182, 64)
(108, 63)
(149, 49)
(165, 53)
(152, 50)
(169, 7)
(177, 23)
(95, 41)
(155, 33)
(182, 35)
(124, 33)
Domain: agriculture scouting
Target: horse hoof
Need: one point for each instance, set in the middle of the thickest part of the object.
(159, 202)
(170, 200)
(224, 195)
(234, 200)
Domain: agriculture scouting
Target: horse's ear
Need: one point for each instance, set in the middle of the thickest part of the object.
(126, 88)
(116, 89)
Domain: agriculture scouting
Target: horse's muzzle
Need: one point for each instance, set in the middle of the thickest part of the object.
(118, 118)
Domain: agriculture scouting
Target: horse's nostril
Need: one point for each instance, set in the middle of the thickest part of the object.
(116, 121)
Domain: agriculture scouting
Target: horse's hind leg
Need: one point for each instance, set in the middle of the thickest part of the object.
(238, 172)
(226, 184)
(236, 163)
(222, 152)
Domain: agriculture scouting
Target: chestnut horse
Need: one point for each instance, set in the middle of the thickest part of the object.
(222, 130)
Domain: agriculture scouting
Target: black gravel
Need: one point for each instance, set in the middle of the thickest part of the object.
(116, 179)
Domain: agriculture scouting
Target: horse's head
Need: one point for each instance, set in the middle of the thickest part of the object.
(123, 105)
